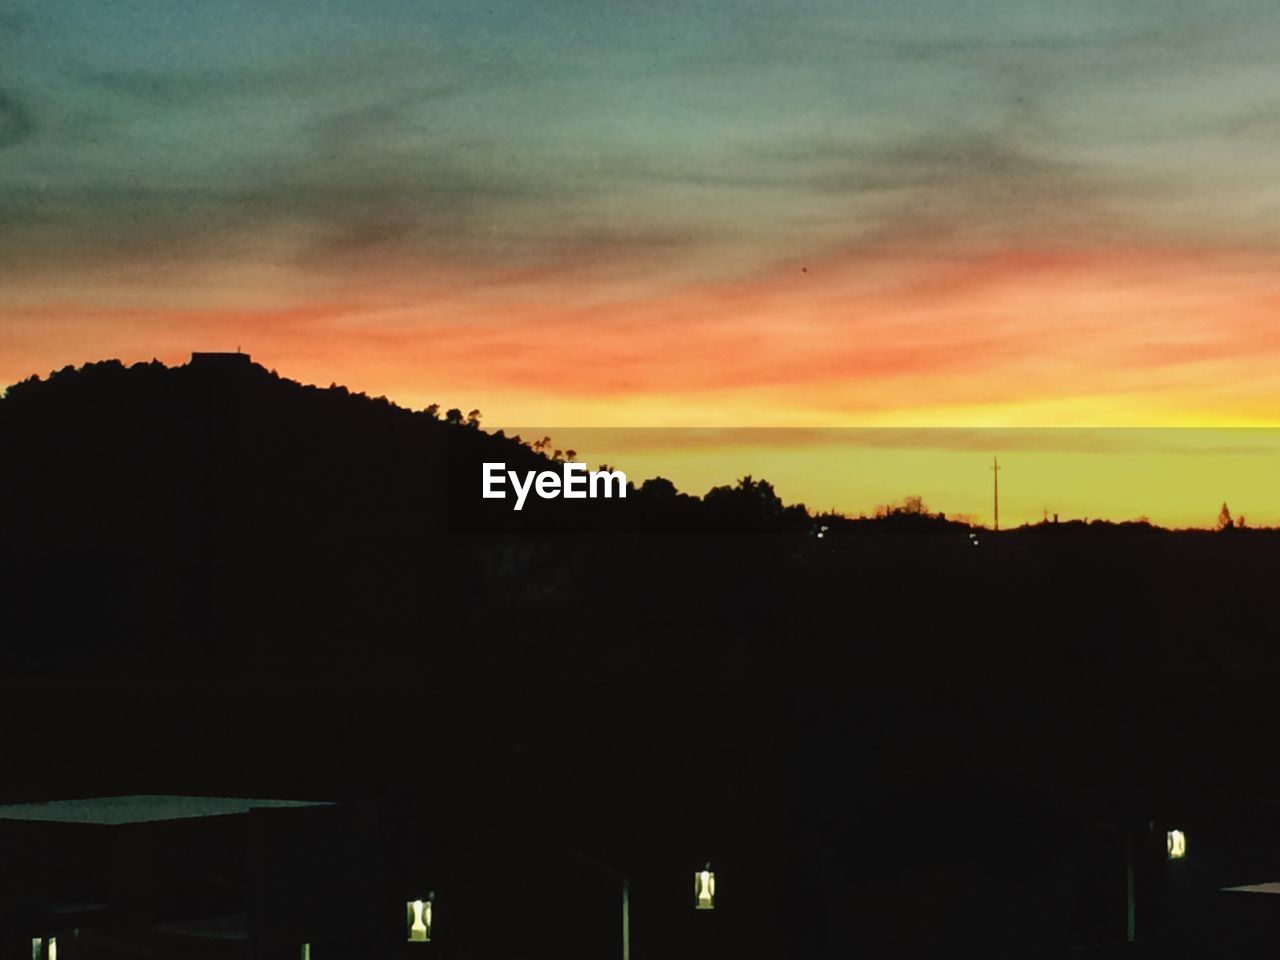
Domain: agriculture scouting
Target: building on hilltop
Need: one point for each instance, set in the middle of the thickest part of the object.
(221, 361)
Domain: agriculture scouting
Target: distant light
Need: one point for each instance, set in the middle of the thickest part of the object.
(1176, 844)
(418, 915)
(704, 889)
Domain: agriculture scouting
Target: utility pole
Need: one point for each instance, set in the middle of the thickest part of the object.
(995, 493)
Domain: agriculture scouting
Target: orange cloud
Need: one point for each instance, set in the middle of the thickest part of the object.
(1106, 336)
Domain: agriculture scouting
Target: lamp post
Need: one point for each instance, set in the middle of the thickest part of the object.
(1130, 876)
(704, 893)
(625, 882)
(418, 916)
(626, 919)
(704, 888)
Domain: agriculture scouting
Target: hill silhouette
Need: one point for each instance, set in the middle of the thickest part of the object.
(280, 588)
(259, 519)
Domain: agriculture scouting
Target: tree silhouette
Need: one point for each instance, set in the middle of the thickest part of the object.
(911, 506)
(659, 488)
(1224, 518)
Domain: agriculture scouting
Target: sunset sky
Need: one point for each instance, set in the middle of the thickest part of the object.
(716, 214)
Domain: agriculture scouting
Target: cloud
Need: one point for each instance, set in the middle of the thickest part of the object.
(569, 134)
(16, 122)
(12, 23)
(1225, 442)
(188, 88)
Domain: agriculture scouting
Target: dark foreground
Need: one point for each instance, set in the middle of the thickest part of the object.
(887, 742)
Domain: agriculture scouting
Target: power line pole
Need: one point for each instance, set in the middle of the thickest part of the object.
(995, 492)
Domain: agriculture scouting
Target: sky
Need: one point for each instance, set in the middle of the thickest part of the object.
(803, 214)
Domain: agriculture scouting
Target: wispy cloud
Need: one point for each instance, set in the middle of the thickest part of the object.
(16, 121)
(1218, 442)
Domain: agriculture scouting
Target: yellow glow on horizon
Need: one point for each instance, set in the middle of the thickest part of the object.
(1174, 478)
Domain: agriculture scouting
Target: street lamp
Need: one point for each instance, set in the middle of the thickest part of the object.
(418, 914)
(625, 881)
(1175, 842)
(704, 889)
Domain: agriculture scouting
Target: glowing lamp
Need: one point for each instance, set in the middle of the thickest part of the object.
(1175, 842)
(418, 913)
(704, 889)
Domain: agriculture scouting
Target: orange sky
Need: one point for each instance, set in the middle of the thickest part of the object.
(1107, 338)
(1114, 336)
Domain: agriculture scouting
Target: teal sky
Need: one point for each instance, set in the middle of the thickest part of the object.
(663, 137)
